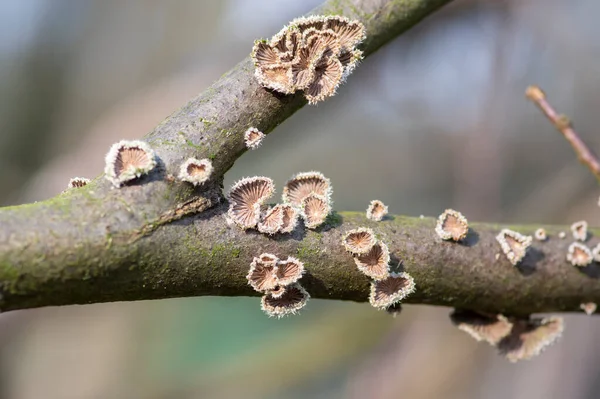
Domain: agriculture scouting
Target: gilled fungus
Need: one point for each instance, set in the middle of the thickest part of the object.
(271, 220)
(314, 210)
(562, 235)
(246, 198)
(253, 138)
(289, 271)
(289, 302)
(452, 225)
(359, 241)
(514, 245)
(375, 263)
(489, 328)
(376, 211)
(528, 338)
(263, 273)
(540, 234)
(314, 54)
(589, 308)
(580, 230)
(78, 182)
(128, 160)
(195, 171)
(579, 254)
(290, 218)
(302, 185)
(391, 290)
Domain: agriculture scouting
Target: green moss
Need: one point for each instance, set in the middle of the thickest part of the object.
(195, 146)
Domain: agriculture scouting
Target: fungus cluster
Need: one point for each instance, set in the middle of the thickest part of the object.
(452, 225)
(515, 338)
(376, 211)
(310, 194)
(514, 245)
(372, 257)
(278, 281)
(313, 54)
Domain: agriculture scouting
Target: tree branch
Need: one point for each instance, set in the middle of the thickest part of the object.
(159, 238)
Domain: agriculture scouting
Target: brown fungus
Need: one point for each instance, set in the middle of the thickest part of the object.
(589, 308)
(359, 241)
(195, 171)
(128, 160)
(540, 234)
(271, 220)
(78, 182)
(452, 225)
(263, 273)
(253, 138)
(246, 197)
(290, 218)
(350, 33)
(528, 338)
(579, 254)
(277, 292)
(393, 289)
(376, 211)
(289, 271)
(375, 263)
(303, 184)
(514, 245)
(289, 302)
(489, 328)
(580, 230)
(314, 210)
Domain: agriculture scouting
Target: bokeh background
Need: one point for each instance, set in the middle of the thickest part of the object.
(435, 119)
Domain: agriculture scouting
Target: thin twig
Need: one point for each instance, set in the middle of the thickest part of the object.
(563, 125)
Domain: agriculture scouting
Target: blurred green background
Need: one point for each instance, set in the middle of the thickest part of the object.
(436, 119)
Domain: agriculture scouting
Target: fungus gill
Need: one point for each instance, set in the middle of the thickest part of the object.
(246, 197)
(359, 241)
(376, 211)
(128, 160)
(528, 338)
(514, 245)
(579, 254)
(253, 138)
(271, 220)
(489, 328)
(375, 263)
(391, 290)
(263, 273)
(303, 184)
(289, 302)
(195, 171)
(289, 271)
(315, 209)
(452, 225)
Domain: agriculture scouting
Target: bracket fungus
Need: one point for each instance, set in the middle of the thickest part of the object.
(303, 184)
(529, 337)
(314, 210)
(514, 245)
(246, 198)
(289, 271)
(375, 263)
(253, 138)
(271, 221)
(452, 225)
(376, 211)
(540, 234)
(391, 290)
(359, 241)
(290, 218)
(489, 328)
(589, 308)
(314, 54)
(195, 171)
(289, 302)
(579, 254)
(128, 160)
(263, 273)
(579, 230)
(78, 182)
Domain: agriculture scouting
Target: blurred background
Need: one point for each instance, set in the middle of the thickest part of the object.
(436, 119)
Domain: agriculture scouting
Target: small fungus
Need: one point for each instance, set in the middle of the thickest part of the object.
(246, 197)
(596, 253)
(393, 289)
(128, 160)
(376, 211)
(253, 138)
(327, 78)
(359, 241)
(375, 263)
(263, 273)
(289, 302)
(78, 182)
(540, 234)
(289, 271)
(529, 338)
(562, 234)
(290, 218)
(314, 211)
(579, 230)
(579, 254)
(195, 171)
(514, 245)
(589, 308)
(452, 225)
(489, 328)
(303, 184)
(271, 220)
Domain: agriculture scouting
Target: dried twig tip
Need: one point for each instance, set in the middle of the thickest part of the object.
(579, 254)
(359, 241)
(580, 230)
(289, 302)
(514, 245)
(376, 210)
(393, 289)
(246, 197)
(375, 263)
(253, 138)
(534, 93)
(490, 328)
(452, 225)
(195, 171)
(128, 160)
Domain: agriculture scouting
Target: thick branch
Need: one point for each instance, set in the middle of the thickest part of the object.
(159, 238)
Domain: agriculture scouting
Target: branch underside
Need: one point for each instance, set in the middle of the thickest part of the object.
(159, 238)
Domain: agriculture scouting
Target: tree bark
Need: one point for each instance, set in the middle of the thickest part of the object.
(159, 238)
